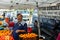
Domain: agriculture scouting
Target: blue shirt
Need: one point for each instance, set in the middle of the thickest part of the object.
(20, 26)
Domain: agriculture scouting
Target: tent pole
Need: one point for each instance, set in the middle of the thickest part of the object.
(39, 33)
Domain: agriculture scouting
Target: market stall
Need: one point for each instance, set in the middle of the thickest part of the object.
(9, 10)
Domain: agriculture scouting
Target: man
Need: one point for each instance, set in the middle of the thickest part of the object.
(35, 28)
(19, 28)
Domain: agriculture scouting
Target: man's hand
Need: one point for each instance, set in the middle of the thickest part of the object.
(17, 31)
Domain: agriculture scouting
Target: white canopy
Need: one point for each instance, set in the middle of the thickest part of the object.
(7, 4)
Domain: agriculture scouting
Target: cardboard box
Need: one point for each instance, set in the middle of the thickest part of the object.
(40, 39)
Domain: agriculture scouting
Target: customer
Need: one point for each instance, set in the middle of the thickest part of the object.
(11, 25)
(35, 28)
(19, 28)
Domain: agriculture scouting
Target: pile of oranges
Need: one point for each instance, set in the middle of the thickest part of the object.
(6, 38)
(9, 38)
(4, 35)
(4, 32)
(29, 35)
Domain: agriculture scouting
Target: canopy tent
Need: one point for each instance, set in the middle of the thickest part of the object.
(19, 4)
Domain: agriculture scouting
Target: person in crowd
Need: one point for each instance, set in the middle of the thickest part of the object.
(19, 28)
(56, 26)
(11, 25)
(35, 28)
(6, 23)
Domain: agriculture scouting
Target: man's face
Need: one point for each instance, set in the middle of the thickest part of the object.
(19, 17)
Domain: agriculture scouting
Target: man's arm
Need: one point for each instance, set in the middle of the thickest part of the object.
(17, 31)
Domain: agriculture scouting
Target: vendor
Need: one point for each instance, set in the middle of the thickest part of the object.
(19, 28)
